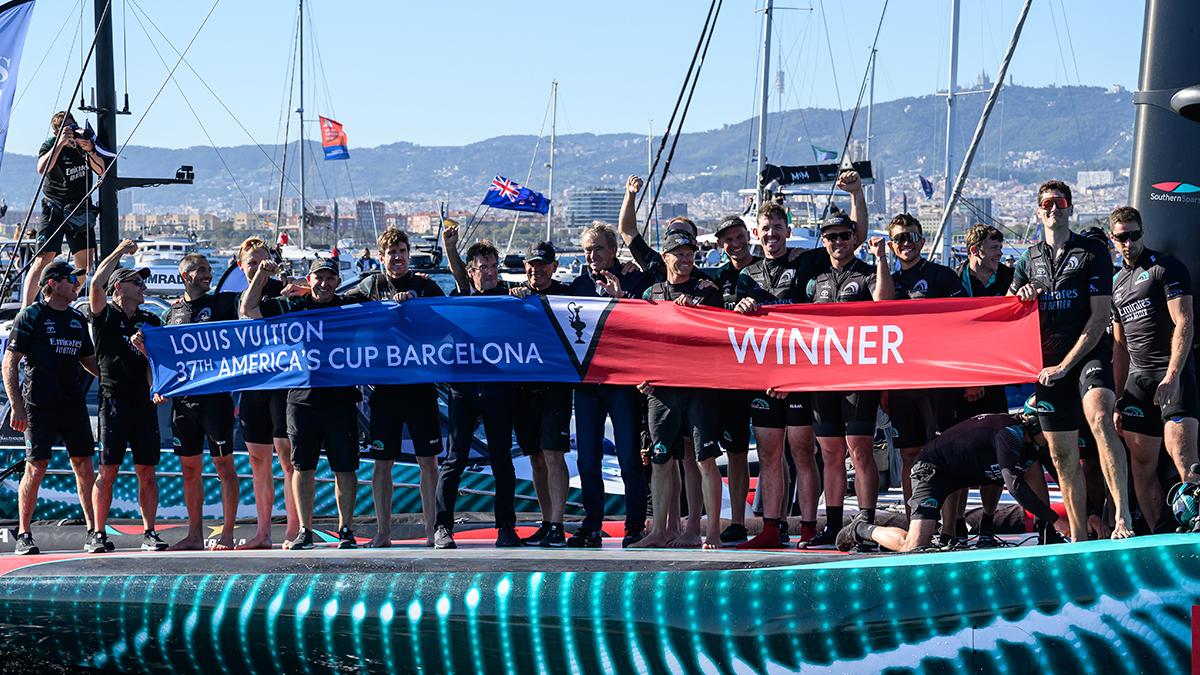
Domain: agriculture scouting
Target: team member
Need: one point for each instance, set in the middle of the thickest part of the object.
(676, 409)
(844, 420)
(472, 402)
(984, 450)
(128, 417)
(209, 415)
(262, 415)
(49, 403)
(984, 276)
(542, 416)
(318, 417)
(1152, 319)
(1070, 275)
(395, 405)
(594, 402)
(650, 261)
(918, 414)
(68, 163)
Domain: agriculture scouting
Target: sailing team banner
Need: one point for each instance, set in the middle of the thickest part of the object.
(14, 25)
(823, 347)
(333, 139)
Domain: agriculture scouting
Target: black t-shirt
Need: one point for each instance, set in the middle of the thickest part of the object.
(1139, 304)
(1065, 288)
(991, 450)
(996, 286)
(316, 396)
(669, 292)
(853, 283)
(632, 284)
(208, 307)
(272, 289)
(727, 281)
(927, 280)
(68, 181)
(501, 288)
(652, 262)
(380, 286)
(781, 281)
(556, 287)
(123, 369)
(53, 341)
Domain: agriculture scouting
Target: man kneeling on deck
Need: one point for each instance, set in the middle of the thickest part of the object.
(984, 450)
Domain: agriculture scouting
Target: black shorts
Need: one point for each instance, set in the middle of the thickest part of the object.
(919, 415)
(49, 422)
(675, 409)
(263, 415)
(392, 407)
(735, 419)
(131, 422)
(928, 492)
(542, 417)
(50, 236)
(1138, 412)
(193, 419)
(334, 428)
(769, 412)
(844, 413)
(1060, 406)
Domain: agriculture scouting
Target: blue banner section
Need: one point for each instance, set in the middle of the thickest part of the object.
(480, 339)
(14, 24)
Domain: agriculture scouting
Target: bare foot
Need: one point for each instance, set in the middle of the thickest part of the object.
(380, 540)
(223, 544)
(288, 543)
(429, 542)
(655, 539)
(1122, 530)
(712, 543)
(189, 543)
(685, 540)
(259, 540)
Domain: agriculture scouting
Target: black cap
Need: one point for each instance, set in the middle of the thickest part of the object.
(541, 251)
(728, 222)
(125, 274)
(324, 264)
(58, 270)
(1094, 232)
(677, 238)
(837, 218)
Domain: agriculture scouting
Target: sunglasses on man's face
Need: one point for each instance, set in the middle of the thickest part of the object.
(1049, 203)
(903, 238)
(1124, 237)
(136, 281)
(846, 235)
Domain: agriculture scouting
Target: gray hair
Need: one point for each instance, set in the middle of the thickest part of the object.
(601, 229)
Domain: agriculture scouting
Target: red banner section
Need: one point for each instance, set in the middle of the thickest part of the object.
(823, 347)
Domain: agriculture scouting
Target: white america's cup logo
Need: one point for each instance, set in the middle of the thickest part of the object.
(578, 323)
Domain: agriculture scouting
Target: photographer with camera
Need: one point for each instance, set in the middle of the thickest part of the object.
(65, 161)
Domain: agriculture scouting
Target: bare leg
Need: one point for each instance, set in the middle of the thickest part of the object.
(800, 441)
(1098, 407)
(429, 479)
(907, 457)
(1180, 438)
(304, 484)
(31, 480)
(695, 499)
(147, 494)
(1097, 491)
(739, 486)
(264, 493)
(661, 494)
(32, 287)
(85, 479)
(833, 453)
(541, 486)
(102, 494)
(1143, 453)
(283, 450)
(866, 472)
(230, 492)
(382, 488)
(345, 490)
(919, 534)
(83, 261)
(770, 472)
(193, 498)
(710, 477)
(674, 522)
(956, 501)
(558, 479)
(1064, 450)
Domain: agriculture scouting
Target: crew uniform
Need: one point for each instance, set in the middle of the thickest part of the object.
(984, 450)
(128, 416)
(735, 404)
(467, 404)
(994, 399)
(395, 405)
(1140, 295)
(918, 415)
(262, 414)
(652, 262)
(53, 342)
(542, 418)
(1065, 286)
(211, 415)
(844, 413)
(67, 185)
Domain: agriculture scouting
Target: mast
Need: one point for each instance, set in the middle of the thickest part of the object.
(106, 126)
(951, 128)
(762, 101)
(300, 110)
(553, 119)
(870, 105)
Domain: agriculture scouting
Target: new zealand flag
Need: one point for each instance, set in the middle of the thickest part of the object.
(505, 194)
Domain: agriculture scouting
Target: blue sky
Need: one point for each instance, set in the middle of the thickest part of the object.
(438, 73)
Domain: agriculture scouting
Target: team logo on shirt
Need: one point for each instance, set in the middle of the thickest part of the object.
(850, 289)
(659, 450)
(377, 445)
(203, 314)
(930, 503)
(1144, 276)
(49, 328)
(760, 404)
(75, 323)
(786, 277)
(1072, 264)
(1132, 411)
(1045, 407)
(578, 325)
(921, 286)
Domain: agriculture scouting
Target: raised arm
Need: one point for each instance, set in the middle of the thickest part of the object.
(48, 159)
(628, 220)
(850, 182)
(252, 297)
(96, 296)
(885, 289)
(453, 259)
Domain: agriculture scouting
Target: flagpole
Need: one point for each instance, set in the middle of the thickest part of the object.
(300, 110)
(553, 119)
(762, 105)
(951, 130)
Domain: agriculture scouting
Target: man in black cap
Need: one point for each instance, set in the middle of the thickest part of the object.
(194, 418)
(690, 411)
(542, 413)
(49, 403)
(128, 417)
(317, 417)
(846, 419)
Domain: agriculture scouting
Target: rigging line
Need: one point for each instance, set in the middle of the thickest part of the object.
(320, 62)
(67, 67)
(675, 141)
(286, 136)
(1070, 97)
(1082, 96)
(833, 66)
(472, 225)
(285, 113)
(199, 122)
(671, 122)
